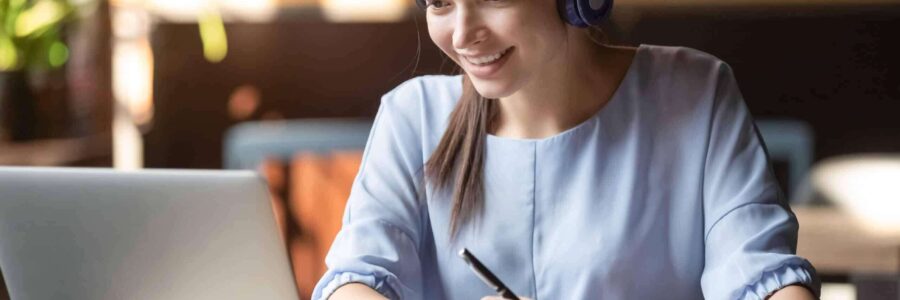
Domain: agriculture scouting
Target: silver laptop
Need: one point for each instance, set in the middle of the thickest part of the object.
(103, 234)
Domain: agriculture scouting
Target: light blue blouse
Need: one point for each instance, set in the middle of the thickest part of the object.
(665, 193)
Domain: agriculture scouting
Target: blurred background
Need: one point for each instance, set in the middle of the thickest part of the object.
(290, 87)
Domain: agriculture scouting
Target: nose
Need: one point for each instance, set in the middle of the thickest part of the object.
(470, 29)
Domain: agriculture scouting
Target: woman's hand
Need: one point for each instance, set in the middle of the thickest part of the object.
(501, 298)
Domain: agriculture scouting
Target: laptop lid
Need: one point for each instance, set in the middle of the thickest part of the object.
(158, 234)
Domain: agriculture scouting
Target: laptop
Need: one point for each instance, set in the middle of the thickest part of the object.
(68, 233)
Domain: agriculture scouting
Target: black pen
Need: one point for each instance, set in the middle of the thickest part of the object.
(486, 275)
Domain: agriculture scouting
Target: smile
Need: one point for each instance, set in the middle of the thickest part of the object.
(486, 59)
(486, 66)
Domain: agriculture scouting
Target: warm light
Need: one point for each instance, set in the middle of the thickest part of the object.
(243, 102)
(132, 88)
(250, 10)
(128, 145)
(133, 78)
(838, 291)
(188, 11)
(868, 186)
(178, 10)
(365, 10)
(130, 23)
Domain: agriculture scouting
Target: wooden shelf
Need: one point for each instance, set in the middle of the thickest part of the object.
(56, 152)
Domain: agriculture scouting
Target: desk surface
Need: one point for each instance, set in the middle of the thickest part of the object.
(835, 244)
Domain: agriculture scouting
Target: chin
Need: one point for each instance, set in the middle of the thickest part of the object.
(492, 89)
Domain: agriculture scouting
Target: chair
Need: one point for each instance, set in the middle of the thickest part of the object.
(310, 166)
(791, 141)
(248, 144)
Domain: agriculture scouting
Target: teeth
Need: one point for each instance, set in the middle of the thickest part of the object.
(483, 60)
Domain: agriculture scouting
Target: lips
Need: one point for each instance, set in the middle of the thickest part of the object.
(486, 59)
(485, 66)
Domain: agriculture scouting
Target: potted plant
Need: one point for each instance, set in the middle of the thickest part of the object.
(31, 44)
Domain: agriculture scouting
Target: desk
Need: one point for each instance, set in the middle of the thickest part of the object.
(836, 245)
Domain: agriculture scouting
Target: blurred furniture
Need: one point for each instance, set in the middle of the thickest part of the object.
(842, 250)
(248, 144)
(855, 236)
(837, 244)
(877, 287)
(310, 166)
(863, 239)
(864, 185)
(790, 141)
(92, 150)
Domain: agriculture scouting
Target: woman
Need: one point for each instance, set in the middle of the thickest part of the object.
(572, 169)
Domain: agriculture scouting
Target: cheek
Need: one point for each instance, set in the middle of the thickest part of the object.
(546, 31)
(442, 36)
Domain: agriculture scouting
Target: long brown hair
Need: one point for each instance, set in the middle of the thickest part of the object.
(459, 157)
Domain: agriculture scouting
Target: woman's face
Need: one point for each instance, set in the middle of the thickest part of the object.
(501, 44)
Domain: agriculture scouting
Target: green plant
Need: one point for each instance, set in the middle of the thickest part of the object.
(31, 34)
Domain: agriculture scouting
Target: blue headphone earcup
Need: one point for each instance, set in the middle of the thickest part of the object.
(594, 16)
(568, 11)
(579, 13)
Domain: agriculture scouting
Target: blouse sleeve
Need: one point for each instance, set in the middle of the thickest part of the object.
(750, 231)
(379, 239)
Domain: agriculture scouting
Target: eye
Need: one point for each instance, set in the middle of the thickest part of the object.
(437, 4)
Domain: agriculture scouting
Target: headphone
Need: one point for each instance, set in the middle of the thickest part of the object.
(584, 13)
(578, 13)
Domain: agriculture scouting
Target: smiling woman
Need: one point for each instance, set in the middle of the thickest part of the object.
(577, 170)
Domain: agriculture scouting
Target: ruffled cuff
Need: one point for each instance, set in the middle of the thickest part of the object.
(337, 280)
(774, 280)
